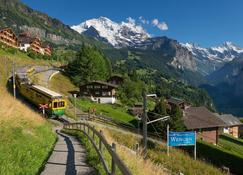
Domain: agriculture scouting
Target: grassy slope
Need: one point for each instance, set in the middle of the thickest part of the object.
(112, 111)
(232, 144)
(178, 161)
(26, 139)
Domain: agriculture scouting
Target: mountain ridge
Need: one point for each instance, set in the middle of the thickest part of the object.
(212, 59)
(202, 60)
(21, 18)
(117, 34)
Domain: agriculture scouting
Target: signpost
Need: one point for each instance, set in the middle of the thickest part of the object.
(43, 107)
(181, 139)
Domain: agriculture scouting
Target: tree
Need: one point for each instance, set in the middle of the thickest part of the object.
(160, 107)
(130, 92)
(176, 121)
(89, 65)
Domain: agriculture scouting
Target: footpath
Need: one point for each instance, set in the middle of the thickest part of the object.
(67, 158)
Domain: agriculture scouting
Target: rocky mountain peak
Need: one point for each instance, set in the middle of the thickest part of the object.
(213, 58)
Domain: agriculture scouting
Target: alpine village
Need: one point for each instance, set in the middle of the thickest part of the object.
(106, 97)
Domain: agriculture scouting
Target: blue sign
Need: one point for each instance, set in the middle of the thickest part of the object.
(182, 138)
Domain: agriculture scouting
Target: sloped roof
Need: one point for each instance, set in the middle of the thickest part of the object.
(101, 82)
(230, 120)
(201, 117)
(175, 100)
(26, 39)
(47, 91)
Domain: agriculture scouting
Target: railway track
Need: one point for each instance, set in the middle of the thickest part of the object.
(106, 120)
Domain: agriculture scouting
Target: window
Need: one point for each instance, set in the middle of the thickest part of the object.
(61, 104)
(97, 87)
(55, 105)
(104, 93)
(97, 93)
(104, 87)
(89, 87)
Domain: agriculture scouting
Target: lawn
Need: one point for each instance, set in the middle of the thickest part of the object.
(26, 138)
(228, 153)
(231, 144)
(113, 111)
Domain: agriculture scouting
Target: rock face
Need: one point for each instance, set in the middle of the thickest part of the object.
(184, 59)
(228, 73)
(22, 18)
(181, 58)
(212, 59)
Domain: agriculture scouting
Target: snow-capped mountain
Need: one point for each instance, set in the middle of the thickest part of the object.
(130, 34)
(211, 59)
(117, 34)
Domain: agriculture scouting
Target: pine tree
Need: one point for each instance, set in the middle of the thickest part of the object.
(89, 65)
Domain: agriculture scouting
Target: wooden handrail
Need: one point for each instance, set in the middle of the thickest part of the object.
(116, 160)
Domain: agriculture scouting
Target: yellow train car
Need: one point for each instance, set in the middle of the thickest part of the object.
(40, 95)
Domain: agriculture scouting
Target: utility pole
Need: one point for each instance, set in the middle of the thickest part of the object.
(144, 123)
(75, 110)
(14, 86)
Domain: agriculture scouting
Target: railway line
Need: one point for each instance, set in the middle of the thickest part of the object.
(51, 102)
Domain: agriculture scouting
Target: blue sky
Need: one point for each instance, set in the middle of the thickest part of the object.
(206, 22)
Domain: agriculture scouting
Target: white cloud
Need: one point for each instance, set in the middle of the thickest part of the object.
(163, 26)
(160, 25)
(155, 22)
(143, 20)
(131, 20)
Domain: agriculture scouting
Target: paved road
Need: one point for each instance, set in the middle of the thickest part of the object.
(68, 158)
(45, 72)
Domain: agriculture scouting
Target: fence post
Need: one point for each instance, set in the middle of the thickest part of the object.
(88, 130)
(113, 164)
(100, 142)
(137, 148)
(93, 133)
(84, 128)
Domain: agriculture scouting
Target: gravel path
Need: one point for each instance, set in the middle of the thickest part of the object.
(68, 158)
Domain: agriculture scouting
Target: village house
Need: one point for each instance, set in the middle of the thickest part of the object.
(232, 125)
(99, 91)
(137, 110)
(177, 102)
(8, 37)
(28, 42)
(47, 49)
(115, 79)
(206, 124)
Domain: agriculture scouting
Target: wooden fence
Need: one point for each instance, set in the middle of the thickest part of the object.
(91, 132)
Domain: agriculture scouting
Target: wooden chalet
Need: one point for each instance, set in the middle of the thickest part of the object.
(177, 102)
(8, 37)
(47, 49)
(232, 125)
(28, 42)
(207, 124)
(137, 110)
(99, 91)
(115, 79)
